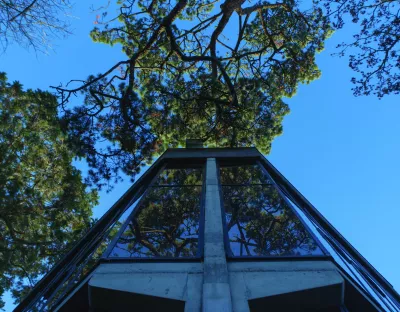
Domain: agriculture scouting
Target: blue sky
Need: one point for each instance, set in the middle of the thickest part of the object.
(342, 152)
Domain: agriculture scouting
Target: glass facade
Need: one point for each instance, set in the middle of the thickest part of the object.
(259, 221)
(88, 260)
(166, 222)
(162, 217)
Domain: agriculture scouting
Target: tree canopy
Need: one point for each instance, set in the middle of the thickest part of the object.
(44, 205)
(374, 52)
(211, 70)
(218, 71)
(33, 23)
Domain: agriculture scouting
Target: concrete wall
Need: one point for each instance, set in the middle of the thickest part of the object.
(175, 281)
(188, 282)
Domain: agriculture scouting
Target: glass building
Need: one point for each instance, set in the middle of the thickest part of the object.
(212, 229)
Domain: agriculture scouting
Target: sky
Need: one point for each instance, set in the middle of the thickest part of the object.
(341, 152)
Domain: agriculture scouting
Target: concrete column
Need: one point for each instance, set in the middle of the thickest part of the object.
(216, 288)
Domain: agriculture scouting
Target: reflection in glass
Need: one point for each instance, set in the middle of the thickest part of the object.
(166, 225)
(180, 176)
(259, 221)
(91, 254)
(245, 174)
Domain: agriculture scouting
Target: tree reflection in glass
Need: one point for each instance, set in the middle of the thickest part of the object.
(258, 220)
(246, 174)
(168, 218)
(180, 177)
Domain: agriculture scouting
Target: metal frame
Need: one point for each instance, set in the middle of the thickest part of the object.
(55, 275)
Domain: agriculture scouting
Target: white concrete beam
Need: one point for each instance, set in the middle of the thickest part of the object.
(216, 288)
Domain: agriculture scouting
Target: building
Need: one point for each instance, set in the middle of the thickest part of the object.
(212, 230)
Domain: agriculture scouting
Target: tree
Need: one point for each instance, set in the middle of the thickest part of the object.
(376, 46)
(212, 70)
(44, 205)
(33, 23)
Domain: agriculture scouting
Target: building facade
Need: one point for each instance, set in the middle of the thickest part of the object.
(212, 230)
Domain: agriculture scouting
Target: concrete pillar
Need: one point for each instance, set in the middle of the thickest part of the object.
(216, 288)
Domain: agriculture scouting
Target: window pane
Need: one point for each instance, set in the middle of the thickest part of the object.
(89, 260)
(180, 176)
(166, 225)
(260, 223)
(246, 174)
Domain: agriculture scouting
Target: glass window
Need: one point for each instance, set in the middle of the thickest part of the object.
(259, 222)
(180, 176)
(245, 174)
(166, 222)
(79, 270)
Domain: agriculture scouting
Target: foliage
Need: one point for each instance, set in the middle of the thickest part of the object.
(376, 46)
(211, 70)
(33, 23)
(44, 205)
